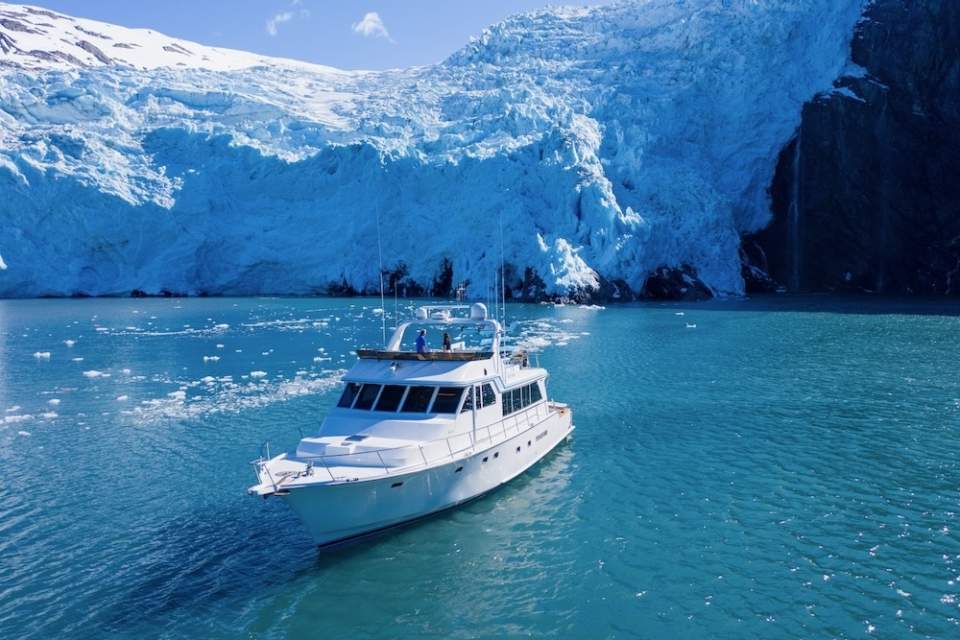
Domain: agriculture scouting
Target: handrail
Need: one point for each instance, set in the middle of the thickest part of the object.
(325, 460)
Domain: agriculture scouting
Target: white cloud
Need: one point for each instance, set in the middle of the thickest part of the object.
(277, 20)
(372, 27)
(274, 22)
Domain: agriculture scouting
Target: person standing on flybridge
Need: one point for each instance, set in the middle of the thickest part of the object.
(422, 341)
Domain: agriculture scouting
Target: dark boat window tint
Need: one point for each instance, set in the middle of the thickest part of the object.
(489, 397)
(390, 397)
(507, 403)
(535, 395)
(418, 399)
(367, 396)
(468, 403)
(349, 393)
(517, 405)
(526, 396)
(448, 399)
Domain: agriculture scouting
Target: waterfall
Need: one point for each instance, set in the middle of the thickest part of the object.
(793, 217)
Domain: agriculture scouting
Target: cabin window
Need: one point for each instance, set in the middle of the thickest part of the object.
(390, 397)
(535, 395)
(517, 399)
(349, 395)
(418, 399)
(448, 399)
(368, 394)
(489, 397)
(468, 403)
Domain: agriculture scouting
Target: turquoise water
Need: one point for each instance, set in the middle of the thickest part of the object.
(788, 468)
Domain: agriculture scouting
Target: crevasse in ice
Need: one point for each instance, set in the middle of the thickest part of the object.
(604, 142)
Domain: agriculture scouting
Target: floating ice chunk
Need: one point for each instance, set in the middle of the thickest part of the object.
(219, 345)
(319, 359)
(691, 325)
(125, 372)
(53, 401)
(177, 395)
(593, 307)
(222, 327)
(42, 355)
(258, 374)
(77, 359)
(679, 313)
(49, 415)
(25, 434)
(93, 373)
(211, 358)
(13, 409)
(122, 398)
(69, 343)
(15, 419)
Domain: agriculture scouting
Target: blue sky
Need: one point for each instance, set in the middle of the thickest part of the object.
(399, 33)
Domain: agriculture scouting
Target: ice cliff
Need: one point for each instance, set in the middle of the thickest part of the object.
(607, 143)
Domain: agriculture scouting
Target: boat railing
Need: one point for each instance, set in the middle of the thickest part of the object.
(395, 460)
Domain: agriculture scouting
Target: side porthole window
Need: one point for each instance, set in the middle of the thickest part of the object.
(459, 469)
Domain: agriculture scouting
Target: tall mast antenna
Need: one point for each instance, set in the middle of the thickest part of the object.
(503, 284)
(383, 311)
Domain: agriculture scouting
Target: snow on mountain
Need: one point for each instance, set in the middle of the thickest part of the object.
(606, 142)
(37, 39)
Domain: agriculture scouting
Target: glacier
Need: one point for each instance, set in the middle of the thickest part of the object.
(594, 144)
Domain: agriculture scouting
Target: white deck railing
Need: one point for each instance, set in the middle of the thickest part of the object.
(391, 461)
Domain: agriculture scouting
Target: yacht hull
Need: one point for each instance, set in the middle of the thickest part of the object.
(337, 512)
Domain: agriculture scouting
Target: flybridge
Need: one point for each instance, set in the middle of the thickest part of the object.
(441, 315)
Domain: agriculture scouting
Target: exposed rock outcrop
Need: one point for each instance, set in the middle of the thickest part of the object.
(867, 196)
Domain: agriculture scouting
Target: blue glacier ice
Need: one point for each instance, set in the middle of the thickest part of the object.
(604, 141)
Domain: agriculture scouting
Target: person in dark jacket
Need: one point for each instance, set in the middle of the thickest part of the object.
(447, 345)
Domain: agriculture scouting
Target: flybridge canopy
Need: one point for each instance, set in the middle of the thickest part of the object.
(458, 314)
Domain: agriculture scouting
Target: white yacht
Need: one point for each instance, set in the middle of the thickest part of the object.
(416, 433)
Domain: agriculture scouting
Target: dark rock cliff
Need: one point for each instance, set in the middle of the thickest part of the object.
(867, 196)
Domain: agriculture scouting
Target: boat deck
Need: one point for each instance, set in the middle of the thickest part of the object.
(289, 471)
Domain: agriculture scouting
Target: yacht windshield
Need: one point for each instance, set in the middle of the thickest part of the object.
(349, 394)
(390, 397)
(368, 393)
(448, 399)
(418, 399)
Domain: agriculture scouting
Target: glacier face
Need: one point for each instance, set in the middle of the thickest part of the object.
(605, 142)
